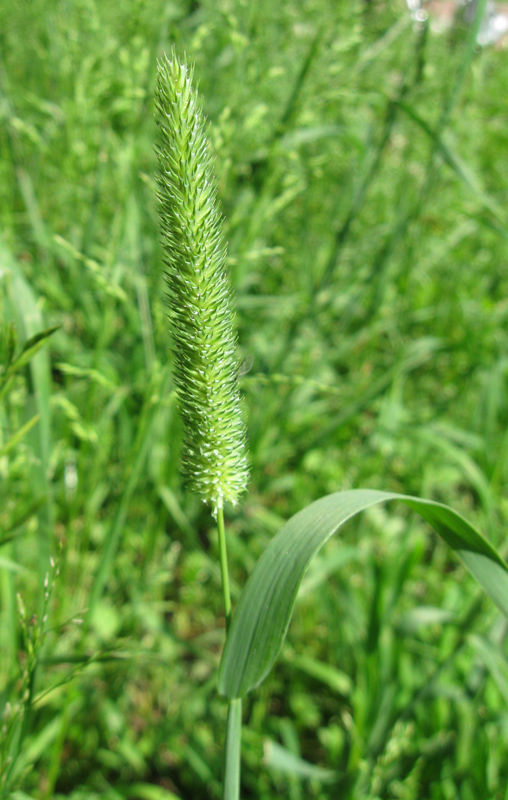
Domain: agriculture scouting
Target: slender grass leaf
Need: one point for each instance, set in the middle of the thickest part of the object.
(31, 347)
(277, 757)
(462, 171)
(89, 374)
(261, 620)
(10, 345)
(11, 443)
(325, 673)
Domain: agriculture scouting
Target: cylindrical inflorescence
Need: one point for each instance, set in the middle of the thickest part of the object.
(199, 296)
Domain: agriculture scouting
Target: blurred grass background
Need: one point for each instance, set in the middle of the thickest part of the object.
(361, 164)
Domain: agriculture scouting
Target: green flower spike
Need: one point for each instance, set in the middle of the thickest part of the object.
(199, 295)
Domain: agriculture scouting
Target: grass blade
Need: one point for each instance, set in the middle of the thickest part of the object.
(463, 172)
(11, 443)
(281, 759)
(262, 618)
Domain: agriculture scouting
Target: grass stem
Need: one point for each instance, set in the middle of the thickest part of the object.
(231, 786)
(231, 789)
(223, 556)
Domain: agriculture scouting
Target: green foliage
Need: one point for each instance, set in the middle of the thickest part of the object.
(200, 312)
(392, 375)
(266, 604)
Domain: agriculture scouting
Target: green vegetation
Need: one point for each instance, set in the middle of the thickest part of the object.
(360, 170)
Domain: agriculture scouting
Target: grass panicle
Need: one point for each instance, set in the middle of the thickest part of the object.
(199, 295)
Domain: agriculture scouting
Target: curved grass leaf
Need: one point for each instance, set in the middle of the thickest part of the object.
(264, 611)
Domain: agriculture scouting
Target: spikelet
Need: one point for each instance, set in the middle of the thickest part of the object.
(199, 295)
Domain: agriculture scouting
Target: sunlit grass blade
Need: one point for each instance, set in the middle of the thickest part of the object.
(264, 611)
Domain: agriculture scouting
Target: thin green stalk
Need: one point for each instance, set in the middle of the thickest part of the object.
(231, 786)
(223, 556)
(231, 789)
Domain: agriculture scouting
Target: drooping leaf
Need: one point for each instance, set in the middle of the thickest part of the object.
(264, 611)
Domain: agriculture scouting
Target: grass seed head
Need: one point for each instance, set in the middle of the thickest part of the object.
(199, 296)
